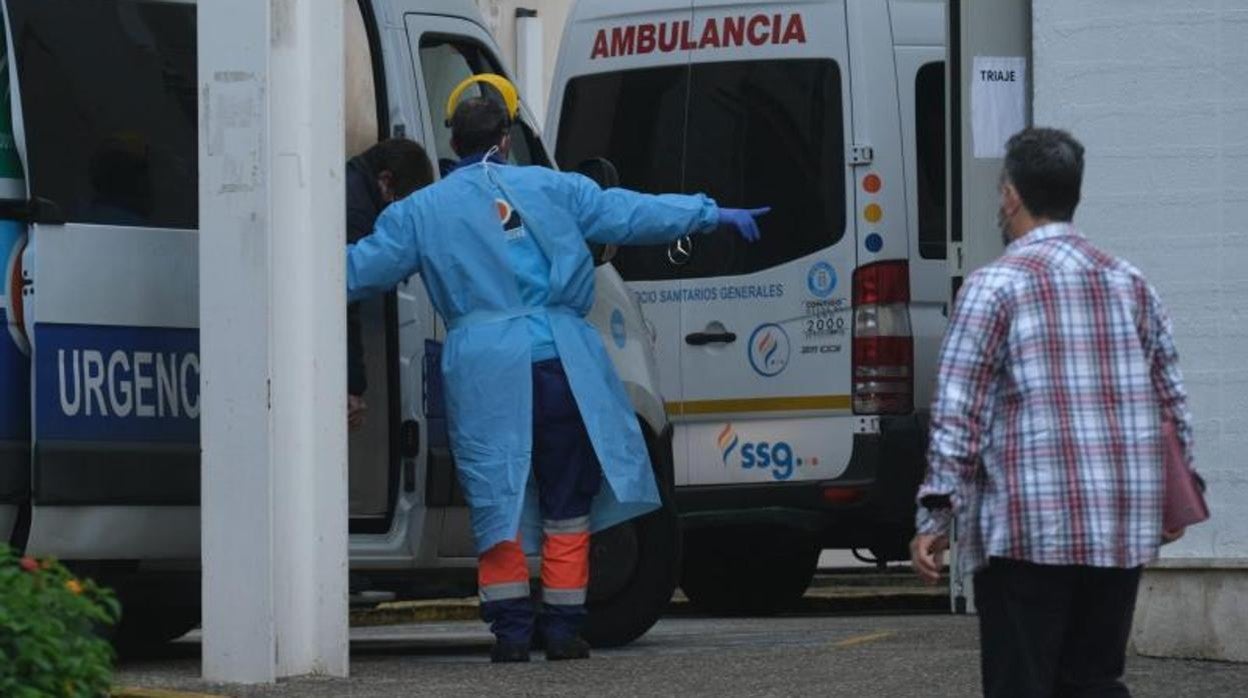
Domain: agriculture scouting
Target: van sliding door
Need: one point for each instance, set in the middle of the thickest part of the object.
(445, 51)
(109, 121)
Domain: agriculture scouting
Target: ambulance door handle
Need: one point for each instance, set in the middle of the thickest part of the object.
(699, 339)
(409, 450)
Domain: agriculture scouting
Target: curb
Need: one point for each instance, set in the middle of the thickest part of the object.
(127, 692)
(859, 599)
(402, 612)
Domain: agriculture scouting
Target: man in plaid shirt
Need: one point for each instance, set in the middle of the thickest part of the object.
(1056, 371)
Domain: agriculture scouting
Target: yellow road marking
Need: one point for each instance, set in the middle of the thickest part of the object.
(863, 639)
(805, 403)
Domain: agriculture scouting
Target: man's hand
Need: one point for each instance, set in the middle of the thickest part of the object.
(355, 412)
(927, 555)
(1172, 536)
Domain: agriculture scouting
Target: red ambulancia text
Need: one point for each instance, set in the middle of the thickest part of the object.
(716, 32)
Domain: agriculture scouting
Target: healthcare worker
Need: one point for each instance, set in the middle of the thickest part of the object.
(538, 418)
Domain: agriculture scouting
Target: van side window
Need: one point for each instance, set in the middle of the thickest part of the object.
(929, 128)
(748, 133)
(445, 62)
(108, 94)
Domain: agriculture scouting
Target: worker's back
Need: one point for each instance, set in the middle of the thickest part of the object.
(463, 225)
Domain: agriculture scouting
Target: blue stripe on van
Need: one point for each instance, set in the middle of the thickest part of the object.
(15, 393)
(103, 383)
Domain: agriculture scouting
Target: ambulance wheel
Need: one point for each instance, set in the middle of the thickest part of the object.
(743, 571)
(633, 571)
(146, 628)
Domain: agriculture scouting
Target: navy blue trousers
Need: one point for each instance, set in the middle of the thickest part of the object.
(568, 476)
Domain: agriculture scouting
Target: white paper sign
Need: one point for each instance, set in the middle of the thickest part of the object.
(998, 102)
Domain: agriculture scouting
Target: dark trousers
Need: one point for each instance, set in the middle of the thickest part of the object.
(568, 476)
(1049, 631)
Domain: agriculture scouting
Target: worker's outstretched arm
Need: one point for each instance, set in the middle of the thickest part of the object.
(625, 217)
(378, 262)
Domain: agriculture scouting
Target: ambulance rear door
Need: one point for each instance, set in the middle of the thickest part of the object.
(109, 129)
(622, 93)
(765, 336)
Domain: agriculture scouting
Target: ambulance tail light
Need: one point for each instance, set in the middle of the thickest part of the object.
(844, 495)
(883, 342)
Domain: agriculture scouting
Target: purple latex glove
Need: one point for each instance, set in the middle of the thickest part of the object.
(743, 220)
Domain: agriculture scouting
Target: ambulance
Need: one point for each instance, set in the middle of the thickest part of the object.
(100, 406)
(796, 370)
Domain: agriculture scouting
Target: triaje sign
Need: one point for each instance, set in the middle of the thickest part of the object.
(716, 32)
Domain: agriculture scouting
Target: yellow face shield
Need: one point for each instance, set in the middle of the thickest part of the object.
(511, 98)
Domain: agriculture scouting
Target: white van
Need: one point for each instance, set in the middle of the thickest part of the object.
(792, 368)
(99, 460)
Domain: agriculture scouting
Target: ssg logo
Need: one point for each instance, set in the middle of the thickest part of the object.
(763, 455)
(769, 350)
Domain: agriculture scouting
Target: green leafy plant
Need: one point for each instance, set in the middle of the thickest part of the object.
(48, 621)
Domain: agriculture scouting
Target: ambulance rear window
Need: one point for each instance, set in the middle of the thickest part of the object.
(109, 104)
(747, 133)
(635, 119)
(769, 133)
(929, 128)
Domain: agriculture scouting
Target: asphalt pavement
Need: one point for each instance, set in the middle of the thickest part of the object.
(798, 655)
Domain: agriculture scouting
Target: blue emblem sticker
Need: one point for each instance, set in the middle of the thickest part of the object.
(619, 331)
(769, 350)
(874, 243)
(821, 280)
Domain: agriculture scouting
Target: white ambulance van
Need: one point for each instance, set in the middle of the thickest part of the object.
(797, 370)
(99, 433)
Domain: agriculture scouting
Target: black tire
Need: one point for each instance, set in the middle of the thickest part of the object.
(156, 607)
(145, 629)
(747, 571)
(634, 568)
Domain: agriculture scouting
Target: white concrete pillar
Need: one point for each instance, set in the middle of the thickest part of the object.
(530, 62)
(272, 339)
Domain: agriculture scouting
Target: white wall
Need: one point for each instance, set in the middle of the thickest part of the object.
(1157, 91)
(500, 17)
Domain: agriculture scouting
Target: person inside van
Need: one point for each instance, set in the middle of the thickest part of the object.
(538, 418)
(381, 175)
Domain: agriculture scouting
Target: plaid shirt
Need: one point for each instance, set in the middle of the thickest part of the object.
(1046, 426)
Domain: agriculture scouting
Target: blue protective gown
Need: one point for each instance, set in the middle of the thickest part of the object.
(451, 234)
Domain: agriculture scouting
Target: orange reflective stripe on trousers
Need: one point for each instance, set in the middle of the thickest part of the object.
(565, 561)
(503, 572)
